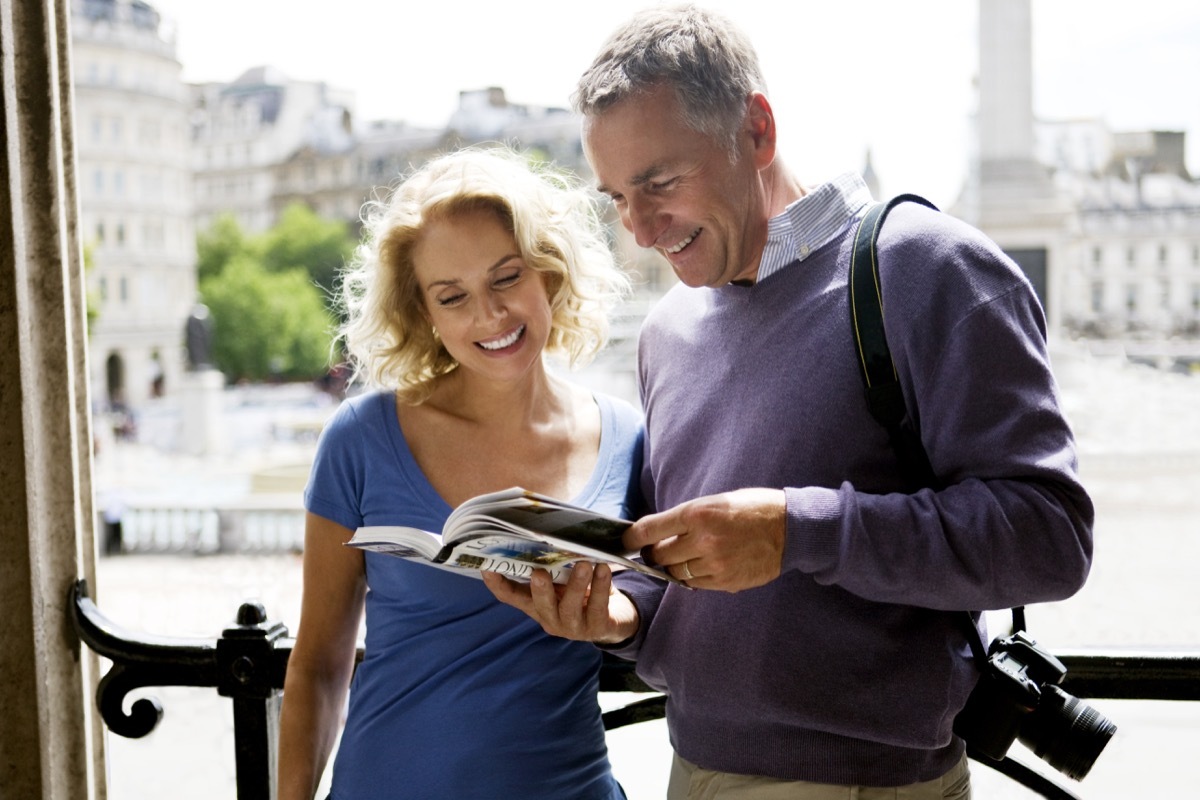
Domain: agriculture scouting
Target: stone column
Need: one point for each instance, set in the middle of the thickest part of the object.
(1006, 87)
(202, 393)
(1010, 196)
(48, 742)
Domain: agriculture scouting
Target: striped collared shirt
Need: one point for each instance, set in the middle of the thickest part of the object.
(812, 222)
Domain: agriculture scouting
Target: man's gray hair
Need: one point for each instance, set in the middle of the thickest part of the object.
(701, 55)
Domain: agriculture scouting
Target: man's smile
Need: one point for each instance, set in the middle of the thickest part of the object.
(675, 248)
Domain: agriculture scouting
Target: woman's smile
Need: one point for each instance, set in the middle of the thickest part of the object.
(505, 341)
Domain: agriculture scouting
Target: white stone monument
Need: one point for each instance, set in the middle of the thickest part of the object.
(1009, 195)
(202, 389)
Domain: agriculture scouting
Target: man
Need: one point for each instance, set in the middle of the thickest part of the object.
(835, 654)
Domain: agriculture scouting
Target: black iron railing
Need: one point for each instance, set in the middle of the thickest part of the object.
(247, 664)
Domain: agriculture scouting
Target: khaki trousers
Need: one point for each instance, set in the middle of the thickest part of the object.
(689, 782)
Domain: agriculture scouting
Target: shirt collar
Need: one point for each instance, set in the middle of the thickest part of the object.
(812, 222)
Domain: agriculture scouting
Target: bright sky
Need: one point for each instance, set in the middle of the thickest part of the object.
(894, 77)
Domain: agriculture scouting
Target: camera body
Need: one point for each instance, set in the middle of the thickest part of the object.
(1018, 697)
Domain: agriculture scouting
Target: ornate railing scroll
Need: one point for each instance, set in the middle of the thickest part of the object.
(247, 664)
(138, 660)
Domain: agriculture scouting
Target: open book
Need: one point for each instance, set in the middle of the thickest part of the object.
(512, 532)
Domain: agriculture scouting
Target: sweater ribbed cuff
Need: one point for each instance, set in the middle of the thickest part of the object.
(813, 520)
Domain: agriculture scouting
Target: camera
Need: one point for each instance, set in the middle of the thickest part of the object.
(1018, 697)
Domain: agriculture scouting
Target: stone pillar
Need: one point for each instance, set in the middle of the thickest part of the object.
(201, 393)
(49, 746)
(1006, 84)
(1010, 196)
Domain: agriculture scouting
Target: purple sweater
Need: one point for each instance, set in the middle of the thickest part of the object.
(851, 666)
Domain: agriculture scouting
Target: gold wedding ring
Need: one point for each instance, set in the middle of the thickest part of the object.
(687, 572)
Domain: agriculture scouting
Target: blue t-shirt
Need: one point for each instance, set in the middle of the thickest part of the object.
(459, 695)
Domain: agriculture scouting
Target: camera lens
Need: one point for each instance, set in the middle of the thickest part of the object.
(1066, 732)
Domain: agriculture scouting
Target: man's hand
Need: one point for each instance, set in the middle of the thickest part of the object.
(587, 608)
(731, 541)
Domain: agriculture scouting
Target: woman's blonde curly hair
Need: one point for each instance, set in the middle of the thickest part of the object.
(389, 341)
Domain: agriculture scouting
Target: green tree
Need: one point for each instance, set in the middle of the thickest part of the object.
(303, 239)
(221, 243)
(267, 324)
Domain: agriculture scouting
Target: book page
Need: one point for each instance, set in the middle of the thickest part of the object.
(519, 511)
(583, 528)
(516, 559)
(522, 552)
(397, 540)
(473, 561)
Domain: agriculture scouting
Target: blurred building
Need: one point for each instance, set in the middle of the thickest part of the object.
(243, 131)
(136, 216)
(335, 180)
(1105, 223)
(1133, 268)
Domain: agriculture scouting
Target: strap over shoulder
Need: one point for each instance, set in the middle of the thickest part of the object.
(882, 385)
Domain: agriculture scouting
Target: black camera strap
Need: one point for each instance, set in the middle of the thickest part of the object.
(884, 395)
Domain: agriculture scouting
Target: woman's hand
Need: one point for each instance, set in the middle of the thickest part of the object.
(587, 608)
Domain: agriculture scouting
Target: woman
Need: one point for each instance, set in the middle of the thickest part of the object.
(475, 268)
